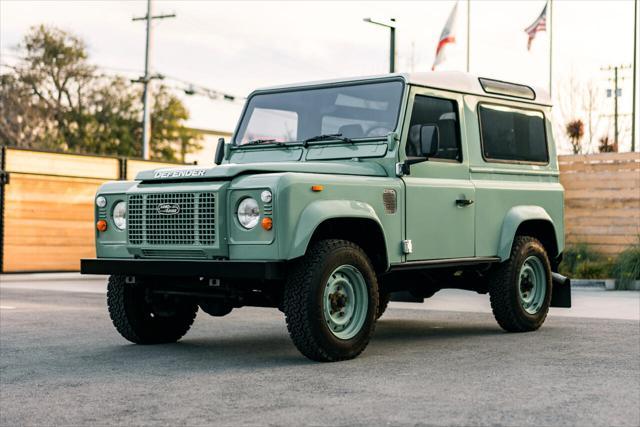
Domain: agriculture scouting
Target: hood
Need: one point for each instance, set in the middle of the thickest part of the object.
(230, 170)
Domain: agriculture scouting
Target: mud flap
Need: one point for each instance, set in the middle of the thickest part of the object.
(561, 294)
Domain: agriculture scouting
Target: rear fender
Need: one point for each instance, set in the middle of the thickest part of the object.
(512, 221)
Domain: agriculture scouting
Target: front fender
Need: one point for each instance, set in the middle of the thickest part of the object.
(321, 210)
(512, 220)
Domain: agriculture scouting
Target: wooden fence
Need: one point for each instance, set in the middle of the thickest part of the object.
(46, 208)
(602, 200)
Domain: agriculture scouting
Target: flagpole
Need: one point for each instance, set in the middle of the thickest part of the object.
(468, 31)
(551, 19)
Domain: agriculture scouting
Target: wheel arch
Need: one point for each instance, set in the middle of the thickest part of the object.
(342, 219)
(531, 221)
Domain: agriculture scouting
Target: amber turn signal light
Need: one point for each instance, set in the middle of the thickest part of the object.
(101, 225)
(267, 223)
(317, 188)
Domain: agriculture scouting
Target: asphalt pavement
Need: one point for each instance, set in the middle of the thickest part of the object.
(62, 363)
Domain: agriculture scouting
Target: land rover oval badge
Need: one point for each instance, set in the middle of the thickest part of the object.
(168, 208)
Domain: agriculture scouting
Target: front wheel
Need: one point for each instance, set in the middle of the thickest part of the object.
(143, 319)
(331, 301)
(520, 288)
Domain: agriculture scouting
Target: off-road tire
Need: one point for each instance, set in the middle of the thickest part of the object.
(134, 317)
(504, 292)
(383, 303)
(303, 299)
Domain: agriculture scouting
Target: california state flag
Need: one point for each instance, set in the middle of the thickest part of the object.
(447, 37)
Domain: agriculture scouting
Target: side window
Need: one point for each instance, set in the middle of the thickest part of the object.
(442, 113)
(510, 134)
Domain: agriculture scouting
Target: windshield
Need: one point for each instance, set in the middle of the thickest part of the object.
(354, 111)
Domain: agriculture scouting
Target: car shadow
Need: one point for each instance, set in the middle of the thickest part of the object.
(273, 348)
(412, 330)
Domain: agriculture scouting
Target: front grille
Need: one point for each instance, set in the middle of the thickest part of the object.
(172, 219)
(168, 253)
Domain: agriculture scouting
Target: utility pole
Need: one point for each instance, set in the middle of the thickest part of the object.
(551, 19)
(391, 25)
(146, 79)
(616, 94)
(634, 111)
(468, 32)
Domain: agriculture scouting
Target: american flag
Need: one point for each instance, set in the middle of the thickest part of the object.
(540, 24)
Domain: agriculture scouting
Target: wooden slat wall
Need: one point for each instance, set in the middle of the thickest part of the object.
(602, 200)
(48, 212)
(48, 222)
(48, 208)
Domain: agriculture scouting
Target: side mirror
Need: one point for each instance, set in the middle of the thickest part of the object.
(219, 151)
(429, 140)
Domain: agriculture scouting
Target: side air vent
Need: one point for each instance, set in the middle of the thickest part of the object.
(390, 201)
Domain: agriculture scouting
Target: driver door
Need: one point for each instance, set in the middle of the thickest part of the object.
(439, 222)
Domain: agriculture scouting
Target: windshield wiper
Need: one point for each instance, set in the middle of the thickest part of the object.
(327, 137)
(264, 141)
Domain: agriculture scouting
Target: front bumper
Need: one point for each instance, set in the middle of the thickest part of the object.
(214, 269)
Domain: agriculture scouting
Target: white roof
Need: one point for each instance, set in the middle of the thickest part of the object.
(447, 80)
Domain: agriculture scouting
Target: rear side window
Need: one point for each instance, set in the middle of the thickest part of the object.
(513, 135)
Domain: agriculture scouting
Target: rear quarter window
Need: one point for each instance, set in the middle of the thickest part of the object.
(513, 135)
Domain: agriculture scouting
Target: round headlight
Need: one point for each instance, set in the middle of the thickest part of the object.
(120, 215)
(266, 196)
(248, 213)
(101, 202)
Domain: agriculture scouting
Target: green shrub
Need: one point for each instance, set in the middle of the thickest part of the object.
(575, 255)
(593, 269)
(627, 267)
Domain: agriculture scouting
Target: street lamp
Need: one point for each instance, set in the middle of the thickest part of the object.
(391, 25)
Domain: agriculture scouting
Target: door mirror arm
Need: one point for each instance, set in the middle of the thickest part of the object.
(405, 167)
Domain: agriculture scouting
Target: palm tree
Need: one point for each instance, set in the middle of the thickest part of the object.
(575, 132)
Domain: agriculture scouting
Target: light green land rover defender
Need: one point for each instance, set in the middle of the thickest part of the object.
(333, 198)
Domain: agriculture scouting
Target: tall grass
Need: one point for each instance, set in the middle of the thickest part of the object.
(627, 267)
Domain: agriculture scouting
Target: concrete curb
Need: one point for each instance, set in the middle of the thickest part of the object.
(602, 284)
(47, 277)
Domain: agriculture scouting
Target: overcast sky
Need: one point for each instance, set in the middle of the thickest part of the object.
(237, 46)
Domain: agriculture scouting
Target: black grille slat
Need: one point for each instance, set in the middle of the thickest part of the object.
(192, 224)
(207, 218)
(135, 219)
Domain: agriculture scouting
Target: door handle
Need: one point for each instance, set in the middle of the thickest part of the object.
(463, 202)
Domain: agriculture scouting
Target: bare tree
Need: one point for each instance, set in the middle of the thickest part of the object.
(568, 104)
(591, 102)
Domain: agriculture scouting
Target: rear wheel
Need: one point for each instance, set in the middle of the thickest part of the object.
(520, 288)
(143, 319)
(331, 301)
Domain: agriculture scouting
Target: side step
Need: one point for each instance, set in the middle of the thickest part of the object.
(560, 296)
